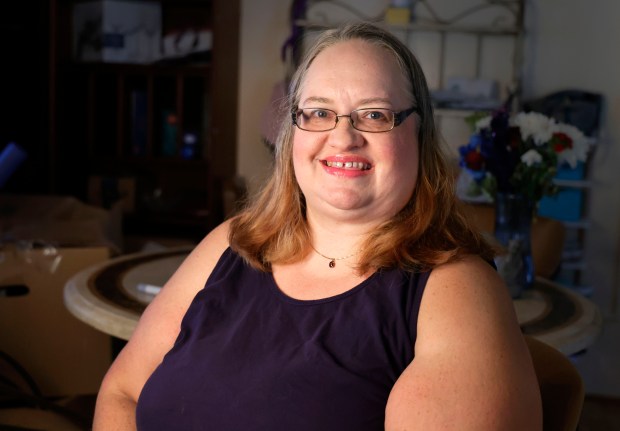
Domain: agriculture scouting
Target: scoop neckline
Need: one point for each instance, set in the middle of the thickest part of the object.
(283, 296)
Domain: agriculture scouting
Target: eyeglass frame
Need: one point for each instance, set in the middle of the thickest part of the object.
(399, 118)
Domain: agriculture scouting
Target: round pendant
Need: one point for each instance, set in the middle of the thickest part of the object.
(332, 263)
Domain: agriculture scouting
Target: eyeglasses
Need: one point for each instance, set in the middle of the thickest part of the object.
(374, 120)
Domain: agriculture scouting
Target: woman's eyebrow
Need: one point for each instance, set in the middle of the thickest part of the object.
(374, 100)
(360, 102)
(317, 100)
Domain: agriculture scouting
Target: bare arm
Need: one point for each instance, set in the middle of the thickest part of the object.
(472, 369)
(154, 336)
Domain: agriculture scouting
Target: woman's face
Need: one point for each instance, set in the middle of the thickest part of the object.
(381, 178)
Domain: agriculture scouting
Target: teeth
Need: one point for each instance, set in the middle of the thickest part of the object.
(349, 165)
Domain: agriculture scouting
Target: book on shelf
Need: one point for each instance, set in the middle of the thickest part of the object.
(138, 123)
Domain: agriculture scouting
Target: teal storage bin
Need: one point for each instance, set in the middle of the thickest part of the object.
(565, 172)
(565, 206)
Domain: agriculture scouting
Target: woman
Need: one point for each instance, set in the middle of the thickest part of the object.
(350, 294)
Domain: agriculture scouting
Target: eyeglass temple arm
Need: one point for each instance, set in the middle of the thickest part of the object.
(399, 117)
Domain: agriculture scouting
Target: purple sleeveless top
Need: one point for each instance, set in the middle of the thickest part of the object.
(250, 358)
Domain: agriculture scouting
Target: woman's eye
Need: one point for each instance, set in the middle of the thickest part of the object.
(375, 115)
(320, 113)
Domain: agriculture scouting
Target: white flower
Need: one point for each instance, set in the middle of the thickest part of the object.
(534, 125)
(483, 123)
(580, 149)
(531, 157)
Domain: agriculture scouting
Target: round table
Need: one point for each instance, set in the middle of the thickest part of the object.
(106, 296)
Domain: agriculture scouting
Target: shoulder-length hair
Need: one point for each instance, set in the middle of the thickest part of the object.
(429, 230)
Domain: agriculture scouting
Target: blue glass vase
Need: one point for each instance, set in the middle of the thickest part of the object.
(513, 227)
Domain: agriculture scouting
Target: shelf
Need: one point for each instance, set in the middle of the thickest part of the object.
(584, 290)
(197, 69)
(579, 224)
(427, 27)
(576, 184)
(144, 111)
(573, 265)
(457, 113)
(165, 162)
(192, 224)
(572, 254)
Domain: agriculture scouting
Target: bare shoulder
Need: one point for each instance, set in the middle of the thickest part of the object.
(468, 290)
(192, 275)
(209, 250)
(472, 369)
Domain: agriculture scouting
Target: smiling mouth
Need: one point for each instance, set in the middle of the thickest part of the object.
(352, 166)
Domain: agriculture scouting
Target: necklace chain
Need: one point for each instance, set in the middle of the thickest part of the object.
(332, 260)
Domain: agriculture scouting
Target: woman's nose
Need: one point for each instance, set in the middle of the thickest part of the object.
(344, 135)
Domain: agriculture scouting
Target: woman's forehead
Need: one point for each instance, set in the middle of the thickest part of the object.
(368, 70)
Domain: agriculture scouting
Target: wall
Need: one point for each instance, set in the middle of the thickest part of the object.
(264, 28)
(569, 44)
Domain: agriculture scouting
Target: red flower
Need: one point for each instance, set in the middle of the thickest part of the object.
(561, 141)
(474, 160)
(514, 138)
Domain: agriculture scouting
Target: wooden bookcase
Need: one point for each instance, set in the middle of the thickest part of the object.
(126, 123)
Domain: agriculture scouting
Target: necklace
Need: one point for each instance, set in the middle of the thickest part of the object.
(332, 260)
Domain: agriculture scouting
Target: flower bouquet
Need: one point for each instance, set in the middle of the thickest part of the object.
(517, 154)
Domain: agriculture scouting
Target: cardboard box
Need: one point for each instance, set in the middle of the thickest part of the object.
(60, 221)
(62, 354)
(117, 31)
(397, 15)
